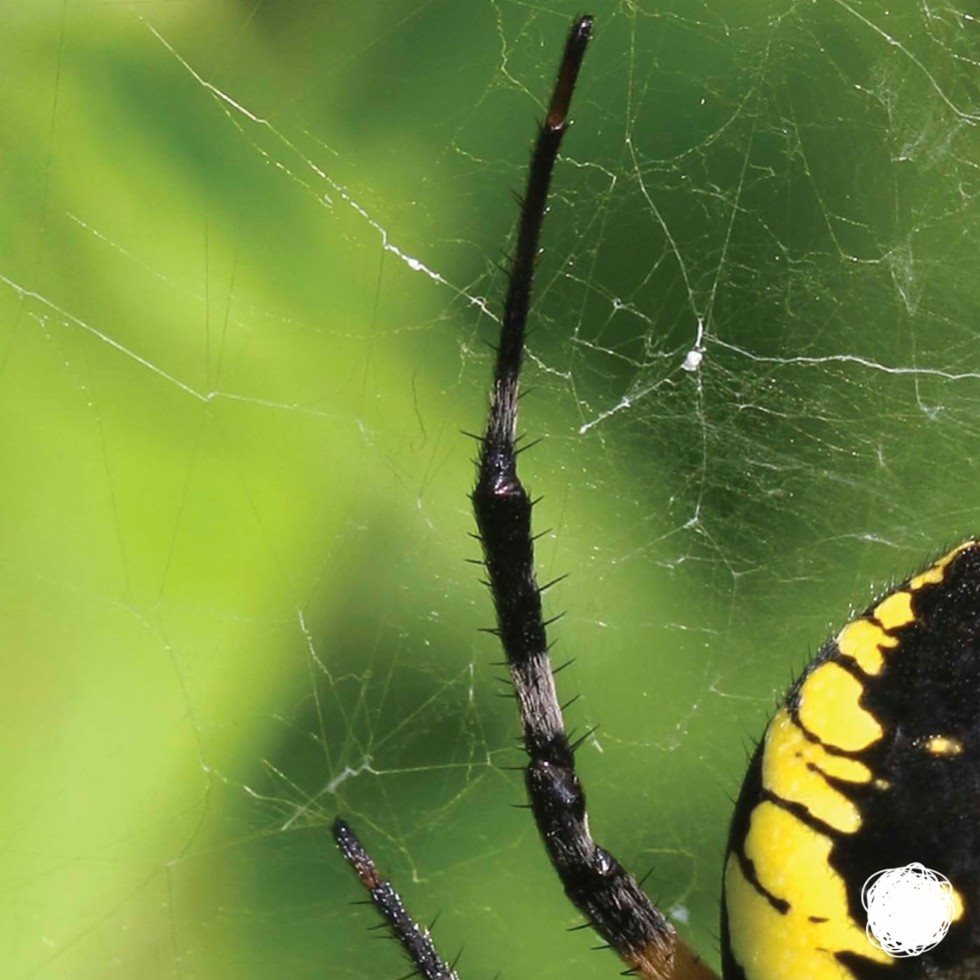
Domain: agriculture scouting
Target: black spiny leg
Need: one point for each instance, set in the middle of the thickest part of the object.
(412, 937)
(596, 883)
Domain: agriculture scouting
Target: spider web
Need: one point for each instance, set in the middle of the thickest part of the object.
(248, 277)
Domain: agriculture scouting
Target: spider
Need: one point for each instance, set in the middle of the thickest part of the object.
(871, 761)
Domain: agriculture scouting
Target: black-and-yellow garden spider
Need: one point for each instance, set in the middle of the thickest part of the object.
(871, 762)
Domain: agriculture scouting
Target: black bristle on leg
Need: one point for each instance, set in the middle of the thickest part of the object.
(608, 896)
(596, 883)
(413, 938)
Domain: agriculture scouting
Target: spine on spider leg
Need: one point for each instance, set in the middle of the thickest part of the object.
(412, 937)
(594, 881)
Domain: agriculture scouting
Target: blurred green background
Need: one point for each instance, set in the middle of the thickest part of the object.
(247, 276)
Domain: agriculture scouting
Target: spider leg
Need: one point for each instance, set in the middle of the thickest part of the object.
(412, 937)
(615, 905)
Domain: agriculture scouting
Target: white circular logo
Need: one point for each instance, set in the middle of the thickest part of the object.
(909, 909)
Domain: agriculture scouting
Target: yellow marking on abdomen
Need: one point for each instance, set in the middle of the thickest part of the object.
(935, 574)
(793, 917)
(863, 641)
(895, 610)
(958, 907)
(830, 709)
(793, 768)
(791, 861)
(943, 745)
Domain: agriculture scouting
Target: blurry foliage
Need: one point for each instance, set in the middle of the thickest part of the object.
(244, 253)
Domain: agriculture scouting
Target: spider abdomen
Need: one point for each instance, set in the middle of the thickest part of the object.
(872, 762)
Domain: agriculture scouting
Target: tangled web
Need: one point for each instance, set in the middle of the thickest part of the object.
(250, 279)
